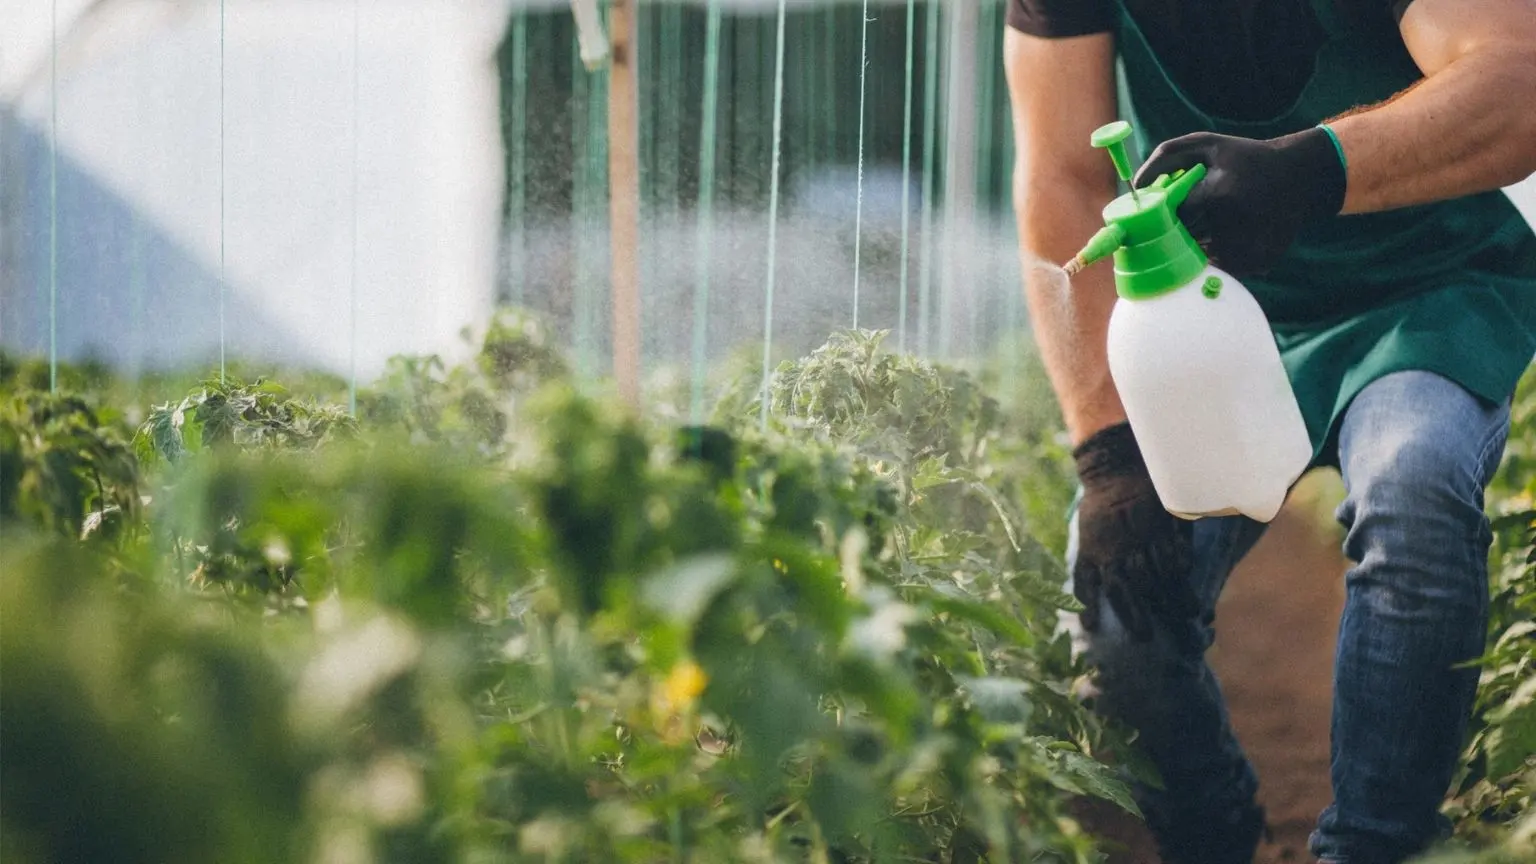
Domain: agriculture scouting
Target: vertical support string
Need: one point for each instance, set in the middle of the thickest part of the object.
(858, 213)
(589, 191)
(704, 246)
(829, 88)
(137, 269)
(930, 151)
(809, 90)
(597, 194)
(1013, 291)
(988, 50)
(906, 179)
(518, 195)
(53, 206)
(356, 150)
(773, 208)
(136, 280)
(580, 167)
(223, 188)
(670, 110)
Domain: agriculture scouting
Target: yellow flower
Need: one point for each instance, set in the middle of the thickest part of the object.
(672, 701)
(684, 684)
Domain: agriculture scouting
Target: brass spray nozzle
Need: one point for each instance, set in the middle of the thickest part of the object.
(1101, 245)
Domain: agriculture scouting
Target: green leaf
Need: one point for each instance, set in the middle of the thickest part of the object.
(882, 633)
(1037, 587)
(1516, 631)
(931, 472)
(684, 590)
(1513, 738)
(188, 427)
(1002, 515)
(947, 599)
(1078, 773)
(999, 700)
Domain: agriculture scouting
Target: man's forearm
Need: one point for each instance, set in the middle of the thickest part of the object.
(1070, 320)
(1470, 127)
(1061, 90)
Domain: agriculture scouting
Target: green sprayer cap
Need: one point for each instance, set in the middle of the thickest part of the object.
(1154, 252)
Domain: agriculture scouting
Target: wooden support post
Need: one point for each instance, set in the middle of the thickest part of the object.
(624, 197)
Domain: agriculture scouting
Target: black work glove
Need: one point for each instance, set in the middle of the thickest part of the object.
(1130, 550)
(1255, 196)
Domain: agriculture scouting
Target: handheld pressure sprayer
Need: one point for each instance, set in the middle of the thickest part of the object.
(1192, 356)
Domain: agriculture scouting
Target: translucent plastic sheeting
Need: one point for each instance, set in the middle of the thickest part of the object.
(326, 184)
(906, 179)
(515, 121)
(704, 249)
(823, 235)
(240, 186)
(858, 212)
(589, 214)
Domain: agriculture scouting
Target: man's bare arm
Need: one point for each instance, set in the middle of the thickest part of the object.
(1060, 91)
(1469, 126)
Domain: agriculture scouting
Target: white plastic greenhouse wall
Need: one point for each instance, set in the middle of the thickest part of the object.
(138, 130)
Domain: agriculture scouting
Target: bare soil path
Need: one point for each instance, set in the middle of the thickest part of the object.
(1276, 627)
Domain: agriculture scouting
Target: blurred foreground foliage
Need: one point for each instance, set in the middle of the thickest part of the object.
(497, 618)
(1494, 800)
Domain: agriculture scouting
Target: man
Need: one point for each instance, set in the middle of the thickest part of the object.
(1401, 286)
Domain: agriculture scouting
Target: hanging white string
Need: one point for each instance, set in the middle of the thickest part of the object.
(223, 190)
(356, 99)
(53, 208)
(906, 181)
(930, 147)
(858, 213)
(704, 243)
(773, 208)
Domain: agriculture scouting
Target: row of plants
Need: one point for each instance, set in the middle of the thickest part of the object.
(1494, 799)
(496, 618)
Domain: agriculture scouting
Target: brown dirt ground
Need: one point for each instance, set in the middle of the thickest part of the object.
(1276, 627)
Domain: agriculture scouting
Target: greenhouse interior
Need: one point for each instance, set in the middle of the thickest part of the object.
(633, 431)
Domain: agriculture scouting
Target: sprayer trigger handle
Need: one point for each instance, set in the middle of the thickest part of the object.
(1182, 182)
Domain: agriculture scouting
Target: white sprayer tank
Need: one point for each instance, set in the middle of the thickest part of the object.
(1193, 358)
(1204, 390)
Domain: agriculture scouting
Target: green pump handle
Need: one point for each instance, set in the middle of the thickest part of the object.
(1112, 137)
(1154, 252)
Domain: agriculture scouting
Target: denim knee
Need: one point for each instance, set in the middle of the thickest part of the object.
(1415, 498)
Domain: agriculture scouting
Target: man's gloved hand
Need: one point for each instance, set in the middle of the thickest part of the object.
(1130, 550)
(1256, 195)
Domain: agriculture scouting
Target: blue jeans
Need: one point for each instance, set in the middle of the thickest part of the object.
(1416, 452)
